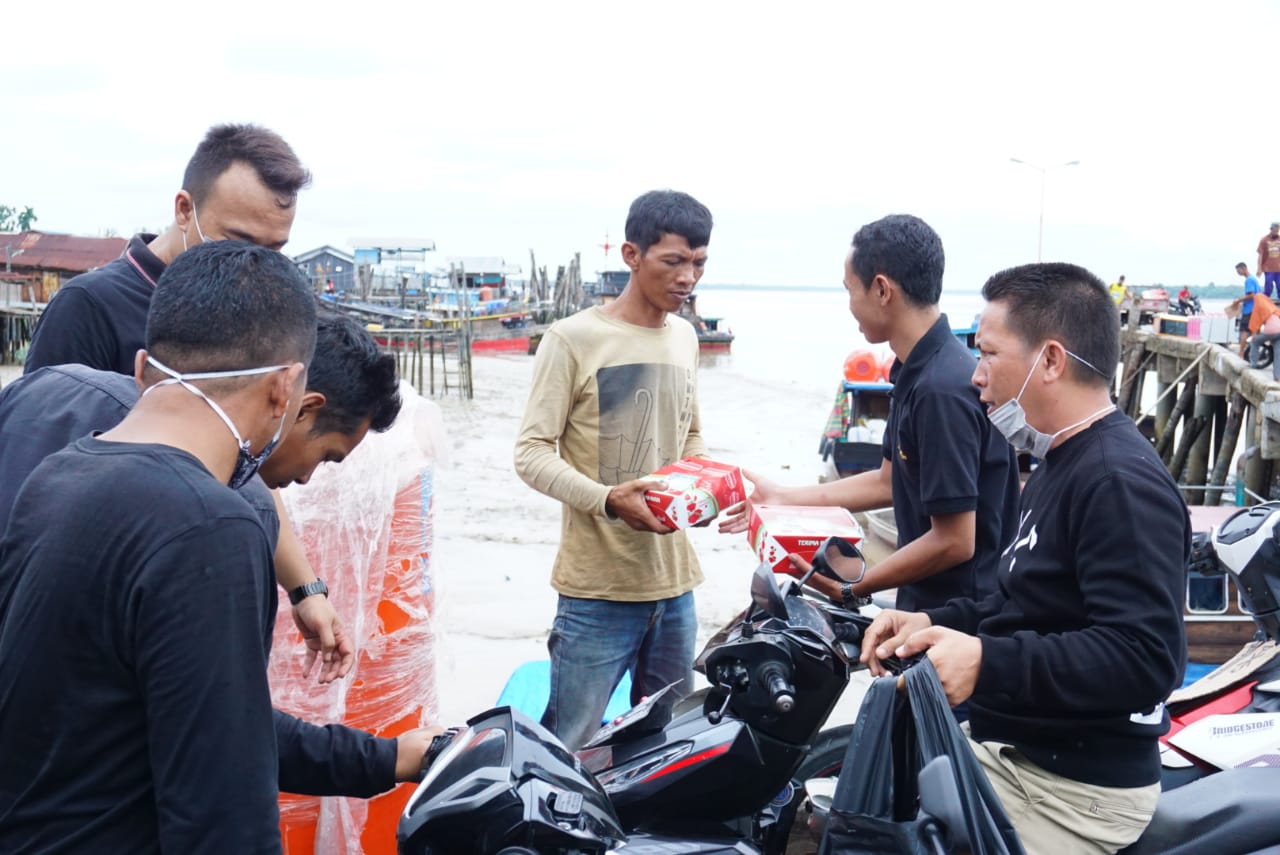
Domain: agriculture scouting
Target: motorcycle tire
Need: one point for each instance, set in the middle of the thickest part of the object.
(1266, 355)
(824, 760)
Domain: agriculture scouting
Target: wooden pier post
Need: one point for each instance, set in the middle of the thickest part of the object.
(1230, 436)
(1210, 398)
(1255, 468)
(1185, 402)
(1132, 366)
(1195, 426)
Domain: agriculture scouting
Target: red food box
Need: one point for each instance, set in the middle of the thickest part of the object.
(776, 531)
(697, 489)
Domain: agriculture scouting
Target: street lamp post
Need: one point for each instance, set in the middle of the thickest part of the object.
(1043, 170)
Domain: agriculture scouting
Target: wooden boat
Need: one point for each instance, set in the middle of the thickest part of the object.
(712, 335)
(851, 439)
(1213, 612)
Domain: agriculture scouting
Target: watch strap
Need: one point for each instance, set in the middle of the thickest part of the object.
(301, 592)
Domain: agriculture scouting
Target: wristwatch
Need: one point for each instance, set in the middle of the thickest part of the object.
(301, 592)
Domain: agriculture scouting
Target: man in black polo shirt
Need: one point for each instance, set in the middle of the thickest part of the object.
(951, 478)
(1067, 665)
(242, 183)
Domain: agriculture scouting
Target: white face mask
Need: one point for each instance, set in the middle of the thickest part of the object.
(247, 462)
(1011, 420)
(196, 218)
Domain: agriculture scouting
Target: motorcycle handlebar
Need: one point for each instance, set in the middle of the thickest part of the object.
(782, 692)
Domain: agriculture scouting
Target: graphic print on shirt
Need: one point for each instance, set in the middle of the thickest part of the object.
(634, 401)
(1019, 541)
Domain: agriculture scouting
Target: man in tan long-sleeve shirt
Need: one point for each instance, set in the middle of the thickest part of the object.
(614, 397)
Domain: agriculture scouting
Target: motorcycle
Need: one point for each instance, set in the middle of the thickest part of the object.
(1229, 812)
(1187, 306)
(714, 773)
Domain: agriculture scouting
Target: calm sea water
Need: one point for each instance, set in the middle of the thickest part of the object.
(798, 337)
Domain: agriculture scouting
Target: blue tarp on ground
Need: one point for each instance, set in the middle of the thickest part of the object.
(529, 688)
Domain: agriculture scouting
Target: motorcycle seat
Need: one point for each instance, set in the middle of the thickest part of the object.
(1231, 811)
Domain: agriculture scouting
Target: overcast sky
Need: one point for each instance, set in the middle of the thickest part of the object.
(496, 128)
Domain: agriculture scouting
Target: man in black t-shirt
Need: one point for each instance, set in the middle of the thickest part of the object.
(137, 603)
(1067, 665)
(242, 182)
(951, 478)
(352, 389)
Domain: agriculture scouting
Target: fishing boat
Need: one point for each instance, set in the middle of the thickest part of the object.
(711, 336)
(713, 333)
(851, 440)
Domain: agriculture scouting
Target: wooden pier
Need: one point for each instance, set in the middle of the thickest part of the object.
(1206, 398)
(17, 321)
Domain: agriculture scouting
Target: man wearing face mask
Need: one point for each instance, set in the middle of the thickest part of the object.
(352, 390)
(1067, 665)
(242, 182)
(135, 587)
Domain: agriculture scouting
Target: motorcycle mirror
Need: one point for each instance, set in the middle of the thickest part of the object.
(840, 560)
(940, 799)
(765, 593)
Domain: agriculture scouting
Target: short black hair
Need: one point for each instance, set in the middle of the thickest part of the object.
(265, 151)
(663, 212)
(1063, 302)
(905, 249)
(1240, 264)
(357, 380)
(227, 305)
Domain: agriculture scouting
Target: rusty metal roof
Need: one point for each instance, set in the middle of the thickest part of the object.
(70, 253)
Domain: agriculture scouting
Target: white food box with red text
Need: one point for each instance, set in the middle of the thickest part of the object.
(776, 531)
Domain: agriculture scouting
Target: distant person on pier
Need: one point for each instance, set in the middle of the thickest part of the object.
(1245, 304)
(614, 397)
(1269, 260)
(949, 475)
(1118, 291)
(1264, 324)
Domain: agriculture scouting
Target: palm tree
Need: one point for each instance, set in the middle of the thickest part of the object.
(26, 218)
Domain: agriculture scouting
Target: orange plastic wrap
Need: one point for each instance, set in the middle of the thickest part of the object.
(366, 528)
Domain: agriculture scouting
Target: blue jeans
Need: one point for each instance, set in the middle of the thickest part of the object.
(1269, 281)
(594, 642)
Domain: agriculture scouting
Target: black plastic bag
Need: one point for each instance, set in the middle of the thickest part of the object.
(874, 807)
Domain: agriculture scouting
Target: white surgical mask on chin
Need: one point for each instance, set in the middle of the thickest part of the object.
(247, 462)
(195, 218)
(1011, 420)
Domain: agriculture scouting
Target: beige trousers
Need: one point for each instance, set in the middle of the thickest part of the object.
(1058, 816)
